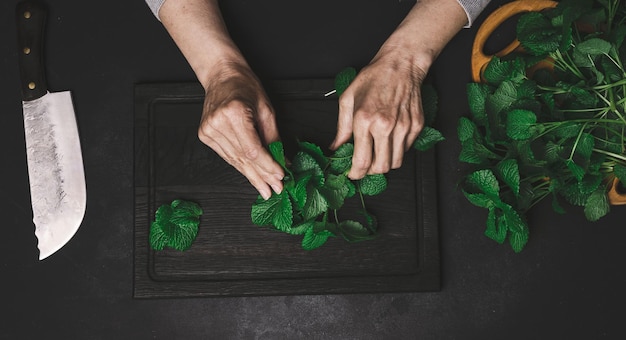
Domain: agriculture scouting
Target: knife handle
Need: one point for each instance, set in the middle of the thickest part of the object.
(31, 19)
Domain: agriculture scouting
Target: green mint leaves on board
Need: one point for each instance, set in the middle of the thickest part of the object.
(316, 185)
(315, 189)
(175, 225)
(559, 132)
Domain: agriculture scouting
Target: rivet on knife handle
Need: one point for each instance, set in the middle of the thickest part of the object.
(30, 19)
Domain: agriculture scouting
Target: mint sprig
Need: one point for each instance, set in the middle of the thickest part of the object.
(175, 225)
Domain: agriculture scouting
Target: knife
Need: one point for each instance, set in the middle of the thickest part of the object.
(55, 164)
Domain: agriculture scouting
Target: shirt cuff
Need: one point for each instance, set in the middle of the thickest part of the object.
(155, 5)
(472, 8)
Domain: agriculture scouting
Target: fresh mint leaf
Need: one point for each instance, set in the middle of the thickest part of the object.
(300, 228)
(518, 240)
(520, 124)
(277, 152)
(496, 228)
(275, 211)
(315, 203)
(305, 163)
(620, 172)
(465, 129)
(485, 181)
(479, 199)
(427, 138)
(593, 47)
(508, 170)
(343, 79)
(537, 35)
(373, 184)
(498, 70)
(477, 94)
(175, 225)
(503, 97)
(335, 190)
(353, 231)
(597, 205)
(585, 145)
(298, 192)
(313, 240)
(315, 152)
(576, 169)
(341, 160)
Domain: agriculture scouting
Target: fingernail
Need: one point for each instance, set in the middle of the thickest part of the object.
(279, 177)
(276, 189)
(266, 195)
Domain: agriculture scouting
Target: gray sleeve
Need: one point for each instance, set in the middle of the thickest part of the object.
(155, 5)
(473, 8)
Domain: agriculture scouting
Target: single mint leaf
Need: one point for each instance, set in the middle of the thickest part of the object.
(508, 170)
(353, 231)
(576, 169)
(341, 160)
(498, 70)
(593, 47)
(373, 184)
(315, 203)
(298, 191)
(518, 240)
(300, 228)
(315, 152)
(427, 138)
(496, 228)
(537, 35)
(502, 98)
(585, 145)
(275, 211)
(620, 172)
(477, 95)
(313, 240)
(479, 199)
(277, 152)
(485, 181)
(371, 222)
(158, 238)
(303, 163)
(465, 129)
(335, 190)
(597, 205)
(343, 79)
(520, 124)
(175, 225)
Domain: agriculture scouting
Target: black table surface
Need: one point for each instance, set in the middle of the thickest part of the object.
(568, 283)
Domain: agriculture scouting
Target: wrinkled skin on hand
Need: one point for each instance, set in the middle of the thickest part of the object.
(237, 122)
(382, 111)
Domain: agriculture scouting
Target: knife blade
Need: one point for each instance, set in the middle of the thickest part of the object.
(53, 152)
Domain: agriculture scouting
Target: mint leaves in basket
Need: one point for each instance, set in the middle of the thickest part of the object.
(552, 132)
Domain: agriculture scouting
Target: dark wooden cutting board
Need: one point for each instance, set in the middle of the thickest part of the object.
(233, 257)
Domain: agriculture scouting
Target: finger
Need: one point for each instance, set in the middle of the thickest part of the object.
(220, 135)
(381, 162)
(416, 115)
(260, 159)
(362, 156)
(344, 121)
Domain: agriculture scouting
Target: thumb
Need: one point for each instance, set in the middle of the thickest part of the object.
(266, 124)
